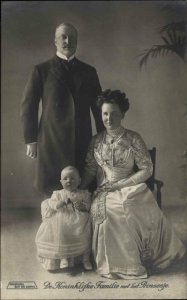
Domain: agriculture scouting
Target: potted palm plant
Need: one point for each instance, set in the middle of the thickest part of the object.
(173, 37)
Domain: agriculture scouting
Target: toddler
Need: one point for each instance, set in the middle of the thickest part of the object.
(66, 229)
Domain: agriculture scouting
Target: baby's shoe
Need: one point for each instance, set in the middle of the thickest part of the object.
(63, 263)
(50, 264)
(71, 262)
(87, 265)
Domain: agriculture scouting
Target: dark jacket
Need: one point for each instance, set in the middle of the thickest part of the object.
(64, 130)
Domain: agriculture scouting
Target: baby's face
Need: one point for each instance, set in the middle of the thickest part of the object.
(70, 180)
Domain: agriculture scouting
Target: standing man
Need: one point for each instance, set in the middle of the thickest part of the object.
(67, 88)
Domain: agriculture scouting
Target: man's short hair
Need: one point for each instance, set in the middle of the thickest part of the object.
(58, 29)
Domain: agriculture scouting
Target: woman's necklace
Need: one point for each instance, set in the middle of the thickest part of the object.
(113, 136)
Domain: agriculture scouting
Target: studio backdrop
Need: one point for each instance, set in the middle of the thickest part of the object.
(112, 35)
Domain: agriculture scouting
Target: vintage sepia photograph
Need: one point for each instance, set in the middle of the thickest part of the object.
(94, 150)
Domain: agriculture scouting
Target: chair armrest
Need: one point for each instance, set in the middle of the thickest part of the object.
(159, 184)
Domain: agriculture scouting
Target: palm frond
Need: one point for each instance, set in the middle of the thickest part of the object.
(173, 42)
(176, 26)
(154, 51)
(165, 40)
(172, 37)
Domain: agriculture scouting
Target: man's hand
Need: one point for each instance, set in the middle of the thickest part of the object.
(32, 150)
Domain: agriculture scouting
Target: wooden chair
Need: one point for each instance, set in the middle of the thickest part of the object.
(154, 184)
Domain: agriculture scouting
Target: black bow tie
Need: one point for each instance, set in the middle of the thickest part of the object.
(67, 63)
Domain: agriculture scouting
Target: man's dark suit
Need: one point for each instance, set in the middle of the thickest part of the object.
(64, 130)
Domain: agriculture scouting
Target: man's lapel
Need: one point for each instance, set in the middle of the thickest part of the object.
(60, 72)
(78, 74)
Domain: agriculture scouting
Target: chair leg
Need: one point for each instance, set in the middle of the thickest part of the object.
(159, 197)
(159, 186)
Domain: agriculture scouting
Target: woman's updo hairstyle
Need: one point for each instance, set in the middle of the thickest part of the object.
(113, 97)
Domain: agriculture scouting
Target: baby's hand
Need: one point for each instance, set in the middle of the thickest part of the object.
(80, 206)
(70, 204)
(61, 204)
(69, 201)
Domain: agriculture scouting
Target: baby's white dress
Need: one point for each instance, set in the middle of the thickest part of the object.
(66, 231)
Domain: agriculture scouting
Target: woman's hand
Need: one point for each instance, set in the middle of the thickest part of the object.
(107, 187)
(112, 187)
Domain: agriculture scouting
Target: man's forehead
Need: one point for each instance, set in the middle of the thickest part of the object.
(65, 29)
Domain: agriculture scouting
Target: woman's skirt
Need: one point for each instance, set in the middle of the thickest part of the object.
(134, 235)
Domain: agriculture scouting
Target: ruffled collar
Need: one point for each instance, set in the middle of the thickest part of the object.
(115, 133)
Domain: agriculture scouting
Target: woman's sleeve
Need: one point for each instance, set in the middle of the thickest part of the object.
(91, 164)
(142, 160)
(87, 200)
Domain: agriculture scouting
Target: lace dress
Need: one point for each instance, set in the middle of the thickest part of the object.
(130, 232)
(64, 232)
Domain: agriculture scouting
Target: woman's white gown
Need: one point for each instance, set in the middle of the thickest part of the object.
(130, 232)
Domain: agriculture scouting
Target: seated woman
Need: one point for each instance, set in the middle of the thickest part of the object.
(130, 232)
